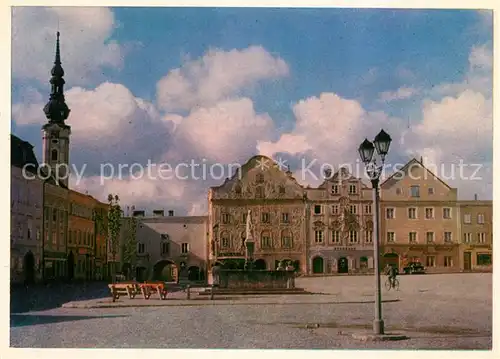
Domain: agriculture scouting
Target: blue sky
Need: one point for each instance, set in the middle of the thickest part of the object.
(356, 54)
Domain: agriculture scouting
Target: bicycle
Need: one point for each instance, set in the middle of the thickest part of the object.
(389, 285)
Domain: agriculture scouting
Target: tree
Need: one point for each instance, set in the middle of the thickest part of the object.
(130, 243)
(114, 227)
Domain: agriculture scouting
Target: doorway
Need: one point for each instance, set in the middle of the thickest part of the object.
(29, 268)
(317, 265)
(342, 265)
(467, 261)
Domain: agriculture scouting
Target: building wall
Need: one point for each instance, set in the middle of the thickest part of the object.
(476, 235)
(340, 241)
(277, 206)
(179, 241)
(55, 217)
(403, 212)
(81, 239)
(26, 224)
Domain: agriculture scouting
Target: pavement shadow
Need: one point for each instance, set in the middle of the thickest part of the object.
(43, 297)
(21, 320)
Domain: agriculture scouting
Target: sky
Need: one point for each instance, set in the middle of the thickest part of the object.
(202, 90)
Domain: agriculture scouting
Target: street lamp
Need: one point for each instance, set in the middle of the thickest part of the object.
(366, 151)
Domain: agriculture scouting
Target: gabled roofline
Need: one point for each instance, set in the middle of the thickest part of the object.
(405, 167)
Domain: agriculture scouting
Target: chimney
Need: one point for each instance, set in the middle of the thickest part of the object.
(139, 213)
(158, 213)
(171, 213)
(475, 197)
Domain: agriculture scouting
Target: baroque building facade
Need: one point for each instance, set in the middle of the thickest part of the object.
(276, 202)
(26, 213)
(419, 220)
(340, 225)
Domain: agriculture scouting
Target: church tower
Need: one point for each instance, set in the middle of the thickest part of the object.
(56, 132)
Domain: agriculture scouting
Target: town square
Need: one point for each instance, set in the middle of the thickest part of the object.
(236, 180)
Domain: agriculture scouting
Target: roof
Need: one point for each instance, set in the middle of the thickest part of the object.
(405, 168)
(22, 154)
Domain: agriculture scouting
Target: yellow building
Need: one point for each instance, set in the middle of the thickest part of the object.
(476, 222)
(341, 225)
(277, 205)
(81, 240)
(420, 220)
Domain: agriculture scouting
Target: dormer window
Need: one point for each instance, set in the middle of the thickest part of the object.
(335, 189)
(352, 189)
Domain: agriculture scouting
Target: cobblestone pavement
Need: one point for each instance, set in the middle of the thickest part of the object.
(451, 311)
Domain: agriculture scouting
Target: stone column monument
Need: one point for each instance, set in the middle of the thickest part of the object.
(249, 242)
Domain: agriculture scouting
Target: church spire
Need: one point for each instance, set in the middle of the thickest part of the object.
(56, 109)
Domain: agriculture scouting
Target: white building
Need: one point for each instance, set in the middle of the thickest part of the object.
(26, 213)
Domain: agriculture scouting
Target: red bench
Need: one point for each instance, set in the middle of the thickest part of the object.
(149, 288)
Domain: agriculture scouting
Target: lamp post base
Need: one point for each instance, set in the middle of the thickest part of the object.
(378, 326)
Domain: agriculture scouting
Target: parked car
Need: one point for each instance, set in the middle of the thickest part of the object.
(414, 268)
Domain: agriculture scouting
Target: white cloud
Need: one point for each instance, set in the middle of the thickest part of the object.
(400, 94)
(85, 45)
(215, 76)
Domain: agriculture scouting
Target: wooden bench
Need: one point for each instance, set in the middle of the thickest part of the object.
(149, 288)
(124, 288)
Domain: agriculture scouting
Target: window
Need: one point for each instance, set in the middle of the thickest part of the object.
(259, 192)
(483, 259)
(286, 240)
(260, 178)
(30, 228)
(265, 241)
(164, 237)
(430, 191)
(467, 218)
(467, 237)
(412, 237)
(225, 218)
(165, 248)
(430, 237)
(389, 213)
(244, 217)
(480, 218)
(353, 237)
(448, 261)
(481, 237)
(335, 189)
(353, 209)
(284, 218)
(368, 209)
(335, 237)
(54, 237)
(225, 240)
(447, 237)
(429, 213)
(335, 209)
(282, 190)
(412, 213)
(415, 191)
(54, 156)
(318, 236)
(54, 214)
(317, 209)
(430, 261)
(237, 189)
(391, 237)
(369, 236)
(399, 192)
(184, 248)
(352, 189)
(141, 247)
(265, 217)
(446, 213)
